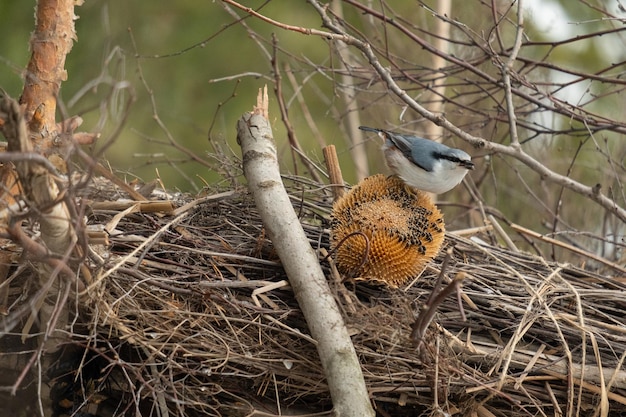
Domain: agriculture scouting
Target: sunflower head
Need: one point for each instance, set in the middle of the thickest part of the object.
(385, 231)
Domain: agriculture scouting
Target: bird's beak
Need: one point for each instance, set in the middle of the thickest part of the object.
(467, 164)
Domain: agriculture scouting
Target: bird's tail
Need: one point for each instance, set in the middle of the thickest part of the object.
(370, 129)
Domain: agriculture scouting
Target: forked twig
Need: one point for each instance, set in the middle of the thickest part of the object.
(435, 300)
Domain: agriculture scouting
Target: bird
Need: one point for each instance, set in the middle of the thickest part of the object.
(421, 163)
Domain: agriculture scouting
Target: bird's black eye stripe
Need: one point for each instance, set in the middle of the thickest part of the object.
(448, 157)
(462, 162)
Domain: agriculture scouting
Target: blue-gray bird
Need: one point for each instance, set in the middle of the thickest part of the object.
(422, 163)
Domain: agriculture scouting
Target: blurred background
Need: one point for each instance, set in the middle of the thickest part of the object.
(176, 76)
(201, 68)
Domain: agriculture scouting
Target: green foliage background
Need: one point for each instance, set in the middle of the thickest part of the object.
(180, 47)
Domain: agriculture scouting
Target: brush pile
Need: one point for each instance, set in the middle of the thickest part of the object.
(191, 314)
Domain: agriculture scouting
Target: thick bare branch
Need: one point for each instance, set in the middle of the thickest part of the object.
(337, 354)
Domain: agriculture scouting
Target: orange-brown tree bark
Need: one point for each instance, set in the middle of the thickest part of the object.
(50, 43)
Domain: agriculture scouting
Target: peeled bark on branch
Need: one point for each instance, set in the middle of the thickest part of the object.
(335, 348)
(50, 43)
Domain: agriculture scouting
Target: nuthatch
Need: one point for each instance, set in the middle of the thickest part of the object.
(423, 164)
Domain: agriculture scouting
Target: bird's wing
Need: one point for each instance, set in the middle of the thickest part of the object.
(422, 157)
(399, 142)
